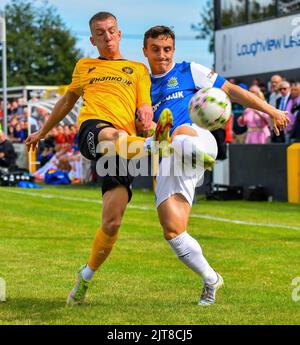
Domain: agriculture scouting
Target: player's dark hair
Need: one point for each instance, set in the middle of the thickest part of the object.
(100, 16)
(159, 30)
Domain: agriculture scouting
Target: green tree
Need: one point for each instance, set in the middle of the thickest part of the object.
(205, 27)
(40, 49)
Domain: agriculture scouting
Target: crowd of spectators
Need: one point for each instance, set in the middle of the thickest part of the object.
(61, 143)
(254, 127)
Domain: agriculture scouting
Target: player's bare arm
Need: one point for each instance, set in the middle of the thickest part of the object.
(145, 116)
(250, 100)
(63, 106)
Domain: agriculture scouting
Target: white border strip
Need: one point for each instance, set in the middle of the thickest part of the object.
(145, 208)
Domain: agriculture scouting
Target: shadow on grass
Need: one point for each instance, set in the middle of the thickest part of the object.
(31, 310)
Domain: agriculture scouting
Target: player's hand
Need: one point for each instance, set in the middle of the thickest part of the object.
(140, 128)
(280, 121)
(145, 115)
(33, 139)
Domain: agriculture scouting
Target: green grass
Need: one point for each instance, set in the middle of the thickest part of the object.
(44, 240)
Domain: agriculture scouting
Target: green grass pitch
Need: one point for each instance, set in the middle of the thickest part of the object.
(45, 235)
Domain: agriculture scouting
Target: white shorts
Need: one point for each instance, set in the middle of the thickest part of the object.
(185, 184)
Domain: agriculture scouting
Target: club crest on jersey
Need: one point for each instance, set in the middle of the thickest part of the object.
(127, 70)
(172, 83)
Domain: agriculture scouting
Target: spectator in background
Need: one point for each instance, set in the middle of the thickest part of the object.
(281, 104)
(275, 94)
(60, 137)
(256, 121)
(285, 95)
(294, 134)
(34, 126)
(7, 152)
(291, 107)
(20, 106)
(19, 134)
(11, 133)
(263, 89)
(255, 82)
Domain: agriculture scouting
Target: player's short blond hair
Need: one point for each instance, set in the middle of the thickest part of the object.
(100, 16)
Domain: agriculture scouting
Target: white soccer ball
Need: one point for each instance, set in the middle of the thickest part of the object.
(210, 108)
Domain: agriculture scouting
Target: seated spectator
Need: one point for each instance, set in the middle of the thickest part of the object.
(46, 148)
(74, 130)
(60, 137)
(19, 134)
(69, 135)
(256, 121)
(7, 152)
(21, 106)
(11, 133)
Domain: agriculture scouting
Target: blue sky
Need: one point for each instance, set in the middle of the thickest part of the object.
(135, 17)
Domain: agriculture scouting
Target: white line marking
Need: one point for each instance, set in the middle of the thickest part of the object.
(145, 208)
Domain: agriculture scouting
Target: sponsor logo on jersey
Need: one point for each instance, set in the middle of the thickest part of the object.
(174, 95)
(172, 83)
(108, 78)
(127, 70)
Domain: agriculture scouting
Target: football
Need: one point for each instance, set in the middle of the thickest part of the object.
(210, 108)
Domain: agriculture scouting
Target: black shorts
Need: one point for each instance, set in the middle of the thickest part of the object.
(88, 141)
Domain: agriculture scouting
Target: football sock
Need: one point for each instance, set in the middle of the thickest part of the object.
(87, 273)
(129, 147)
(101, 248)
(189, 252)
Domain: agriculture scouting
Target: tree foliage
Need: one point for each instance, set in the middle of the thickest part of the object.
(205, 27)
(40, 49)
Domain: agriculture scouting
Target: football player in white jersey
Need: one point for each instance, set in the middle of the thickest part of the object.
(173, 85)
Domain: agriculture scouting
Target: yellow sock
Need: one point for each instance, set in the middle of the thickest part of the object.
(101, 248)
(130, 146)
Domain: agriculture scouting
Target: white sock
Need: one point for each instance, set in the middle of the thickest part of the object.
(189, 252)
(87, 273)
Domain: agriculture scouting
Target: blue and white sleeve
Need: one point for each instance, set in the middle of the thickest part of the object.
(205, 77)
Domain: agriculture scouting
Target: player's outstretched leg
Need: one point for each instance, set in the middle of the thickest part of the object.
(208, 295)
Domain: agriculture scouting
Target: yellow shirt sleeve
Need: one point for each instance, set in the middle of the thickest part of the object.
(143, 87)
(75, 84)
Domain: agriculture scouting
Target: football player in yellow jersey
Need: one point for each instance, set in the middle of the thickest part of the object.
(114, 90)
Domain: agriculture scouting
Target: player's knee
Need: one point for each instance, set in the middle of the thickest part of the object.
(170, 235)
(111, 226)
(170, 232)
